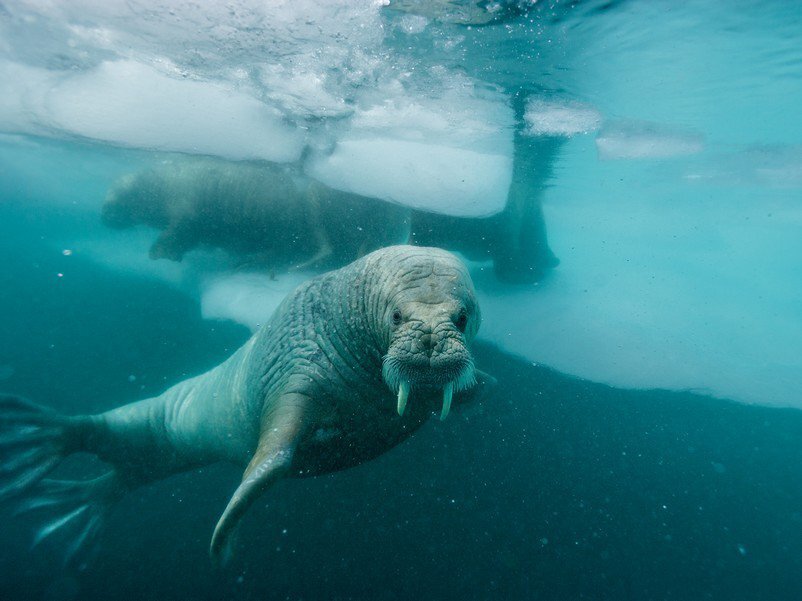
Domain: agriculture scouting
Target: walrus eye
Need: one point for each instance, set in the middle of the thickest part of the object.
(396, 317)
(461, 321)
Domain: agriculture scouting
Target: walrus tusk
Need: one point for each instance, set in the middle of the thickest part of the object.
(448, 392)
(403, 395)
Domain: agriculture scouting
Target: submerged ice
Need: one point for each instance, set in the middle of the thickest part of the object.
(671, 193)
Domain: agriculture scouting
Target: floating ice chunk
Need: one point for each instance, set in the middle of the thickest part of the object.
(247, 298)
(560, 118)
(131, 104)
(423, 176)
(662, 287)
(641, 140)
(134, 105)
(670, 335)
(449, 152)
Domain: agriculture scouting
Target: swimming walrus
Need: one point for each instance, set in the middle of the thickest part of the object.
(259, 213)
(350, 364)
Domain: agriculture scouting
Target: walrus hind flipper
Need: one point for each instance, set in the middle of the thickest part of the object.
(33, 441)
(71, 511)
(271, 461)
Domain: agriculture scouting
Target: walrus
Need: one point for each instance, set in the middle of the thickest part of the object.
(259, 213)
(350, 364)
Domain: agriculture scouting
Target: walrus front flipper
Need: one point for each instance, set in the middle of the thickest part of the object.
(271, 462)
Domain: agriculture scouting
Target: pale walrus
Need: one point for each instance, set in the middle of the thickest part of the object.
(350, 364)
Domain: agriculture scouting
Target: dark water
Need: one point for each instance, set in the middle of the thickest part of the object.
(552, 488)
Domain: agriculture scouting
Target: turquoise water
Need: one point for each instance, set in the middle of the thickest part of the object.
(643, 441)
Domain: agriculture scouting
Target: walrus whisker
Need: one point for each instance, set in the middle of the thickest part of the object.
(466, 379)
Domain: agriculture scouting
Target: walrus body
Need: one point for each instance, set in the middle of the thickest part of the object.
(259, 213)
(322, 386)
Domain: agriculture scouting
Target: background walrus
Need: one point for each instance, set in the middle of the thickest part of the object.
(258, 212)
(351, 364)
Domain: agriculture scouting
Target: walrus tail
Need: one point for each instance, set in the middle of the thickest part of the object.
(33, 441)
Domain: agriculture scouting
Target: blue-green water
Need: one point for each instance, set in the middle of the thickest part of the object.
(553, 488)
(644, 440)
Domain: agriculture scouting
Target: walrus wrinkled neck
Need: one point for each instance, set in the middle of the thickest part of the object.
(346, 326)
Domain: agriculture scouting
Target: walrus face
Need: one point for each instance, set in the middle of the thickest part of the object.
(431, 320)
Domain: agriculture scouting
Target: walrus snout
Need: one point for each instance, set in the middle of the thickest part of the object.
(430, 362)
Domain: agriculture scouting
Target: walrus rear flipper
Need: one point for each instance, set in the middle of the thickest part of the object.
(271, 462)
(71, 511)
(33, 441)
